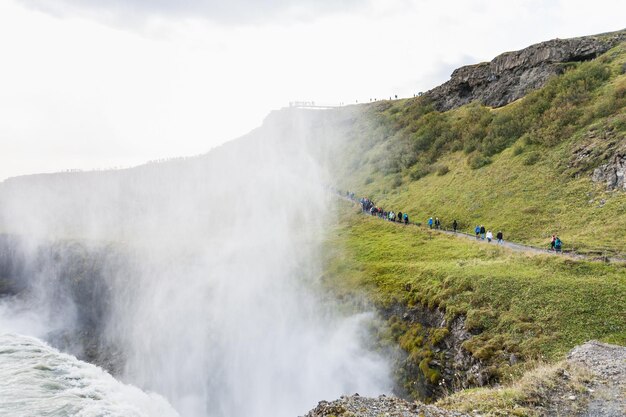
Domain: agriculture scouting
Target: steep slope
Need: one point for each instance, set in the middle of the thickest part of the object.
(551, 162)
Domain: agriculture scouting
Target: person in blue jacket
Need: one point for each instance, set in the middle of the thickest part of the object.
(477, 230)
(406, 219)
(430, 222)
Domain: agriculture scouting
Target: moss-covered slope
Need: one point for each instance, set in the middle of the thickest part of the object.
(529, 306)
(524, 168)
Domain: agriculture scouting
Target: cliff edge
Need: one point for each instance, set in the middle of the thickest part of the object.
(512, 75)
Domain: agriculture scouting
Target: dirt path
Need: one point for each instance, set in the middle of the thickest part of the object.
(515, 246)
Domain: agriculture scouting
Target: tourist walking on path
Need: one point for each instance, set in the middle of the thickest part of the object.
(454, 225)
(437, 223)
(500, 237)
(400, 216)
(482, 232)
(477, 230)
(430, 222)
(558, 244)
(406, 219)
(552, 242)
(489, 236)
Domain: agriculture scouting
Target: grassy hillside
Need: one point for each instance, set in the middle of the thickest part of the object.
(524, 168)
(534, 306)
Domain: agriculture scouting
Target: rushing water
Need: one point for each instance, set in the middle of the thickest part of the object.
(37, 380)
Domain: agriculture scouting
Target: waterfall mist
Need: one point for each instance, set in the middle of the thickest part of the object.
(211, 274)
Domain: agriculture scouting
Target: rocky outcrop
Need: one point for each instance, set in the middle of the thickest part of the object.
(12, 265)
(612, 173)
(512, 75)
(442, 353)
(602, 156)
(590, 383)
(357, 406)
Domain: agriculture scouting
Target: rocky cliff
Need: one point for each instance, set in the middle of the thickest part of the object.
(512, 75)
(589, 383)
(76, 279)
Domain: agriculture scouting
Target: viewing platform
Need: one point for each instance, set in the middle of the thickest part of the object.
(311, 105)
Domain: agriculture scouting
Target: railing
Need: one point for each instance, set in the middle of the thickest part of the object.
(311, 105)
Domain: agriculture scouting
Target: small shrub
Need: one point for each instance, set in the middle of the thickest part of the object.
(429, 373)
(397, 181)
(531, 139)
(369, 180)
(532, 158)
(442, 170)
(478, 160)
(469, 148)
(518, 150)
(438, 335)
(419, 172)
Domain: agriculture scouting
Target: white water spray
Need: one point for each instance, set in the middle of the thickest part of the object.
(217, 306)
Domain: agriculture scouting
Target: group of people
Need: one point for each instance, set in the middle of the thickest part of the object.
(437, 224)
(482, 233)
(368, 206)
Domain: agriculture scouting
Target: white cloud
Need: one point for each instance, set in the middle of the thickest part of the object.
(227, 12)
(78, 92)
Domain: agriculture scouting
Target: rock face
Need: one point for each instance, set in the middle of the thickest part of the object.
(512, 75)
(456, 366)
(596, 390)
(75, 277)
(602, 156)
(612, 173)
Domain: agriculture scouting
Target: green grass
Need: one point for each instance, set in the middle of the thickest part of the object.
(517, 169)
(528, 205)
(513, 169)
(536, 306)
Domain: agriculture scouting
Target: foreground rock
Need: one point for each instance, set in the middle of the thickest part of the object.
(590, 383)
(512, 75)
(357, 406)
(608, 387)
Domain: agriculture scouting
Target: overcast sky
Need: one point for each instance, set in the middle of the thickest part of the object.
(97, 84)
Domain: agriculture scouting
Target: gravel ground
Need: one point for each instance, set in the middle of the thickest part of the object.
(383, 406)
(608, 390)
